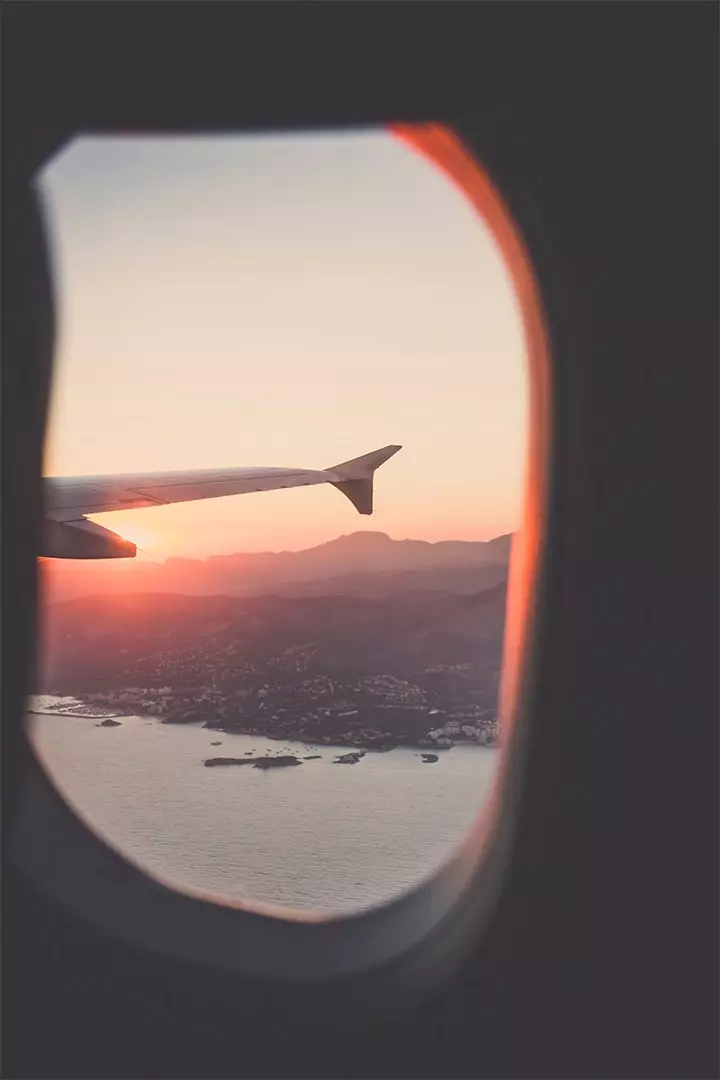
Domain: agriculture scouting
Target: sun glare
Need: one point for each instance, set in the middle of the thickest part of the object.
(148, 540)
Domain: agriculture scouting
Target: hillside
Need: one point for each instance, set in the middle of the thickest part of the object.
(462, 580)
(153, 639)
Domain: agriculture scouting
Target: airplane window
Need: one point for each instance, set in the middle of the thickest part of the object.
(279, 698)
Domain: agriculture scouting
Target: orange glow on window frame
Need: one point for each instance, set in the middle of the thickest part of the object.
(443, 149)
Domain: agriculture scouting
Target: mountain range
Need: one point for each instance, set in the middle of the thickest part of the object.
(362, 564)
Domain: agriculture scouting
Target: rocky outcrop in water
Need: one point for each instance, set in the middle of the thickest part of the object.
(276, 762)
(109, 723)
(349, 759)
(257, 763)
(213, 761)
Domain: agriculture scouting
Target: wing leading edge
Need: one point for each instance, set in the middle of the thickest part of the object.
(69, 499)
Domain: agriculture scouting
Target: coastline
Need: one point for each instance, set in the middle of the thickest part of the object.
(74, 707)
(271, 727)
(70, 712)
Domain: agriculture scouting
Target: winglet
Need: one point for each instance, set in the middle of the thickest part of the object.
(355, 477)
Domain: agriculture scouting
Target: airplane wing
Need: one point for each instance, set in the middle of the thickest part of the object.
(69, 499)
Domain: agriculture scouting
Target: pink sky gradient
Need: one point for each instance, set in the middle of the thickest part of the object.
(283, 300)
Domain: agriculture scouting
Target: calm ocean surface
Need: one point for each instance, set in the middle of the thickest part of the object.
(336, 837)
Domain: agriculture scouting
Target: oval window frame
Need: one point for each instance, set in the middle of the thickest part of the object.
(435, 921)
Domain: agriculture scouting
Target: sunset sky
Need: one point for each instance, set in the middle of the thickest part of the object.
(291, 300)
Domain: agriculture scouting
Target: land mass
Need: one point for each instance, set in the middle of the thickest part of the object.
(400, 666)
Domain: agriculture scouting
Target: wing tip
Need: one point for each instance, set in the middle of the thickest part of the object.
(356, 477)
(366, 464)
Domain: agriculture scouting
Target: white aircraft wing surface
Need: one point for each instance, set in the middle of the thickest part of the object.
(70, 499)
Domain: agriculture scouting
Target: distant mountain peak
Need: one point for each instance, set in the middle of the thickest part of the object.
(363, 538)
(501, 543)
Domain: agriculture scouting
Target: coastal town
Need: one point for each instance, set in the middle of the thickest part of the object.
(372, 712)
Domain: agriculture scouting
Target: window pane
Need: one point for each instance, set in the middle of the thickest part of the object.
(280, 301)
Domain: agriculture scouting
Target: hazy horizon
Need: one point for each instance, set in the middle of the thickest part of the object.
(283, 300)
(145, 557)
(348, 535)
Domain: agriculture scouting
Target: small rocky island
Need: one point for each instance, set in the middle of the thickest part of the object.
(258, 763)
(349, 759)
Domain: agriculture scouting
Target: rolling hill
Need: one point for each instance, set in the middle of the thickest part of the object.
(153, 639)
